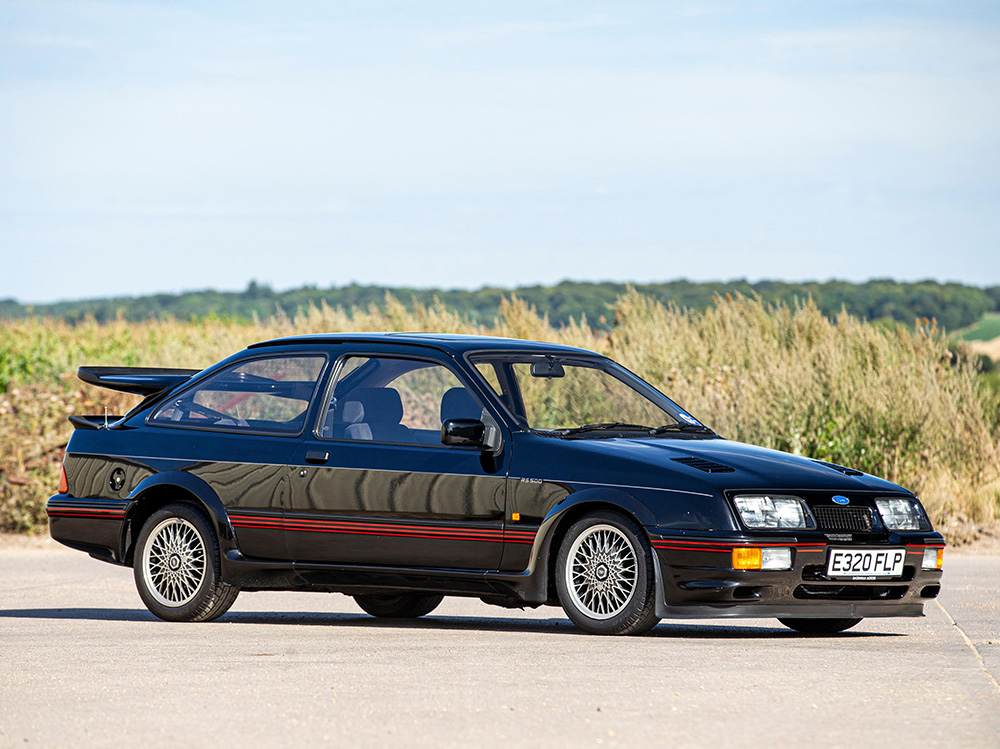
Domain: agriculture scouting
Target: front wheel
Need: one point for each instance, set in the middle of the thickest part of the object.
(604, 576)
(402, 606)
(177, 568)
(819, 626)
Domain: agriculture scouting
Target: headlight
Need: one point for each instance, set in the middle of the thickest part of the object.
(901, 514)
(773, 512)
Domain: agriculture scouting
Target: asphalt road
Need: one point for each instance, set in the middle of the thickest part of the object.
(83, 664)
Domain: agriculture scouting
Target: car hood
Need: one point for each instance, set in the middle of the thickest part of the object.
(656, 462)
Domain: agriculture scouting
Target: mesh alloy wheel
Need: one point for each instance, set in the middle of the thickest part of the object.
(605, 577)
(601, 574)
(177, 566)
(173, 562)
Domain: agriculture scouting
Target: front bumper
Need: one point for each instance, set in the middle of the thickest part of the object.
(696, 579)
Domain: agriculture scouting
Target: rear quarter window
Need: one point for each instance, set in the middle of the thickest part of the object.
(270, 395)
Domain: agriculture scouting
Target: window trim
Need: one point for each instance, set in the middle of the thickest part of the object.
(150, 421)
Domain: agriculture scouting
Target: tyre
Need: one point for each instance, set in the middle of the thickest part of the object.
(402, 606)
(604, 576)
(819, 626)
(177, 569)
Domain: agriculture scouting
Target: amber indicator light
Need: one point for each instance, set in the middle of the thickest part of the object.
(747, 558)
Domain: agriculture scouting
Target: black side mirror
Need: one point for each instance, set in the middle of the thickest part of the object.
(469, 433)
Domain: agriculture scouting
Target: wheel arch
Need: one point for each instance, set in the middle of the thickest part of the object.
(171, 487)
(559, 520)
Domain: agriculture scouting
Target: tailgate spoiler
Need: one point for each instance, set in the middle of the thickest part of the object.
(139, 380)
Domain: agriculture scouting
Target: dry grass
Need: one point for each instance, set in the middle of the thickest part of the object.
(990, 348)
(893, 402)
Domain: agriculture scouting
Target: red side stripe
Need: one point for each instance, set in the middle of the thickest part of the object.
(356, 532)
(373, 530)
(358, 524)
(728, 545)
(83, 512)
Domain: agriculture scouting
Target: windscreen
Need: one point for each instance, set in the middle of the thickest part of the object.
(560, 393)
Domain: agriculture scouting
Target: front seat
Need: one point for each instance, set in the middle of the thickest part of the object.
(458, 404)
(383, 410)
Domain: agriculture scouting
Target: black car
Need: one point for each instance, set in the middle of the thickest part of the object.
(401, 468)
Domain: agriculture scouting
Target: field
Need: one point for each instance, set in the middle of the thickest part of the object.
(986, 329)
(893, 401)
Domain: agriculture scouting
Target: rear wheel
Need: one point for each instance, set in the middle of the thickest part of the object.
(402, 606)
(819, 626)
(604, 576)
(177, 571)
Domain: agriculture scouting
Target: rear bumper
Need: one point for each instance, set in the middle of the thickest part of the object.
(695, 579)
(95, 526)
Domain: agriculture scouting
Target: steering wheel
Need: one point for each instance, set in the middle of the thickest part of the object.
(193, 407)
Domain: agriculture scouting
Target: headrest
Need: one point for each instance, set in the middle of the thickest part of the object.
(458, 404)
(353, 412)
(381, 405)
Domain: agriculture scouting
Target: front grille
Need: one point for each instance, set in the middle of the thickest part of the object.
(844, 518)
(851, 592)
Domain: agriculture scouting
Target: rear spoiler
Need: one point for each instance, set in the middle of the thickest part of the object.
(139, 380)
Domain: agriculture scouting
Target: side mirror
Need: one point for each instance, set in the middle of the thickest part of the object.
(469, 433)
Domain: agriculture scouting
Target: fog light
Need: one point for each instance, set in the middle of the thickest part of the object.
(933, 559)
(752, 558)
(777, 559)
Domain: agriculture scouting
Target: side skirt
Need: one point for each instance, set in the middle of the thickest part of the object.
(254, 575)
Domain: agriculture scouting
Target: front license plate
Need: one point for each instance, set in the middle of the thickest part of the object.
(865, 563)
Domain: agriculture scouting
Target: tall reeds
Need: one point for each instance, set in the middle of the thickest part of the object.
(893, 401)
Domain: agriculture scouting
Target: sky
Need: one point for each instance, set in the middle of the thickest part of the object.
(168, 146)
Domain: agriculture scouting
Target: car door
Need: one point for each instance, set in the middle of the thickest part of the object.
(372, 484)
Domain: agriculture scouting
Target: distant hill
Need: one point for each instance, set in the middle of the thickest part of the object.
(953, 305)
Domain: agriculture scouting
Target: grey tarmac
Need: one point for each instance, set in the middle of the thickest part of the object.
(83, 664)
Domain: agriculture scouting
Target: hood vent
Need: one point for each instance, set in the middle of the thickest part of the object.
(843, 469)
(701, 464)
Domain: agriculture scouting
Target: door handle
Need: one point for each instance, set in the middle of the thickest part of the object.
(317, 456)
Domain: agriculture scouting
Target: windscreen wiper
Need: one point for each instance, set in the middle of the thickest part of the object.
(616, 425)
(699, 428)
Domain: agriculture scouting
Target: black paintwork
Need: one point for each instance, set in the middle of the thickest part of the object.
(303, 512)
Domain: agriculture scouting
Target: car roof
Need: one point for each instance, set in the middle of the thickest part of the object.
(453, 343)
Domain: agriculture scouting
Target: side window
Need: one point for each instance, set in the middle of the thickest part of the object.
(270, 395)
(383, 399)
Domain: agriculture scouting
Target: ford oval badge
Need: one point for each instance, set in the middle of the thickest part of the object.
(841, 500)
